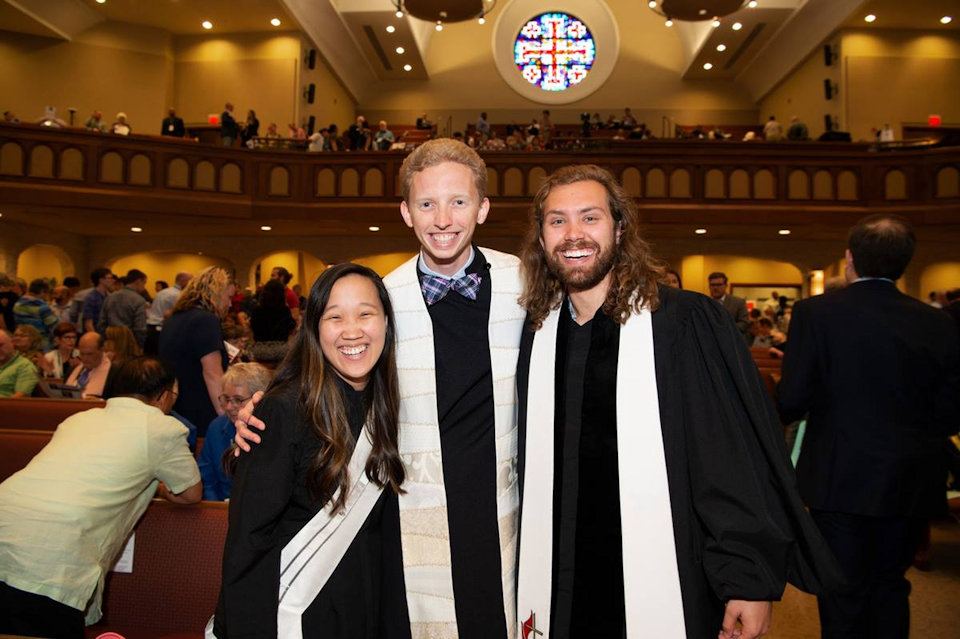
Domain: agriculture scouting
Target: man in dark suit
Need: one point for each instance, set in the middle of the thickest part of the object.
(736, 306)
(228, 126)
(878, 373)
(172, 125)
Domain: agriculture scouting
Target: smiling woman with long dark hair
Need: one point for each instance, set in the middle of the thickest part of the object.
(314, 537)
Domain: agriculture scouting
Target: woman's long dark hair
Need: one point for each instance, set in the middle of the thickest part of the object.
(306, 369)
(273, 295)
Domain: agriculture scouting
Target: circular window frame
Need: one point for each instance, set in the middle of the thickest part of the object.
(593, 13)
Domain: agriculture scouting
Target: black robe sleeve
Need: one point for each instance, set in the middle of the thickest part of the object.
(750, 531)
(261, 494)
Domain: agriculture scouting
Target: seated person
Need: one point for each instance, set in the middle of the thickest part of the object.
(91, 375)
(121, 126)
(64, 357)
(238, 385)
(102, 467)
(28, 341)
(18, 375)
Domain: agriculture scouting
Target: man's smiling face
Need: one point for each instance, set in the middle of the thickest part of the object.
(443, 209)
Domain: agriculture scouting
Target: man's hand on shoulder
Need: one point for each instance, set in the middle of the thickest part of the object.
(245, 423)
(754, 616)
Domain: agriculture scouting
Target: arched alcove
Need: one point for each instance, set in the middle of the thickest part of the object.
(71, 164)
(948, 182)
(656, 183)
(764, 186)
(798, 185)
(204, 177)
(630, 179)
(231, 179)
(303, 266)
(895, 185)
(111, 168)
(373, 183)
(680, 184)
(713, 185)
(279, 183)
(535, 178)
(11, 159)
(326, 183)
(822, 185)
(349, 183)
(739, 185)
(493, 182)
(46, 261)
(512, 182)
(939, 276)
(141, 170)
(41, 161)
(847, 186)
(741, 270)
(178, 174)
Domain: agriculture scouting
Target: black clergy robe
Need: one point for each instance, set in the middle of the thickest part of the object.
(740, 529)
(468, 443)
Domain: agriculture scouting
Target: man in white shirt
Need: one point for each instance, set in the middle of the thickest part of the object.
(161, 306)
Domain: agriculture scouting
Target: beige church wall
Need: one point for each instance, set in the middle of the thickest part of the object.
(383, 264)
(694, 270)
(46, 261)
(333, 104)
(289, 259)
(940, 276)
(464, 81)
(112, 67)
(801, 94)
(899, 77)
(256, 71)
(311, 268)
(164, 265)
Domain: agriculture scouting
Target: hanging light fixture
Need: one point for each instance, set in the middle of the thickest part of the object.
(696, 10)
(453, 10)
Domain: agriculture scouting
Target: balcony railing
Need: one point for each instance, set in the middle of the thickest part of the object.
(69, 167)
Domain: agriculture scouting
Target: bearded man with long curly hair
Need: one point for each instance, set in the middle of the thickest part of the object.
(657, 498)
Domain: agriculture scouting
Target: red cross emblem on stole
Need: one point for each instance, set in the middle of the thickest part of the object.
(530, 626)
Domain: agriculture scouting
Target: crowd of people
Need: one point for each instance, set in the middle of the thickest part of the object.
(413, 420)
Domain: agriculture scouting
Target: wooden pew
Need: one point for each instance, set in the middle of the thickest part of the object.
(19, 446)
(173, 588)
(41, 413)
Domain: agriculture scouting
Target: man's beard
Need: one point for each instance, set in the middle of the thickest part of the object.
(579, 278)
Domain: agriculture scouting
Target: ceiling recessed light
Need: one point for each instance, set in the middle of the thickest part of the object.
(946, 20)
(374, 228)
(206, 24)
(652, 4)
(135, 229)
(400, 50)
(407, 67)
(275, 22)
(669, 22)
(869, 18)
(752, 4)
(784, 232)
(439, 26)
(708, 66)
(701, 231)
(266, 228)
(399, 14)
(481, 20)
(737, 26)
(715, 23)
(721, 47)
(101, 1)
(391, 28)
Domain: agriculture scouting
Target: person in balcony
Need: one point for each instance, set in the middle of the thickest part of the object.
(251, 129)
(121, 126)
(95, 122)
(228, 126)
(172, 125)
(384, 138)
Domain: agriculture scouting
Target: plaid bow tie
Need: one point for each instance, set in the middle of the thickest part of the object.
(436, 288)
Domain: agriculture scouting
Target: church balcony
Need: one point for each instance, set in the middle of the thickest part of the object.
(82, 178)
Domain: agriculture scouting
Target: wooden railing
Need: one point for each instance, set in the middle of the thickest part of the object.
(70, 167)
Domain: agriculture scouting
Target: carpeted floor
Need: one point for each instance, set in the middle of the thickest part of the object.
(934, 602)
